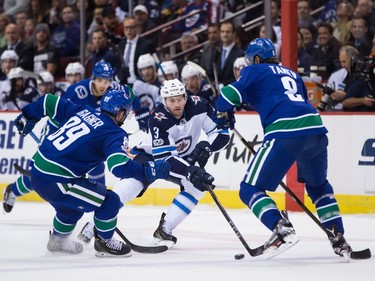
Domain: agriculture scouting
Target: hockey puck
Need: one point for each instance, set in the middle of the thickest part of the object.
(239, 256)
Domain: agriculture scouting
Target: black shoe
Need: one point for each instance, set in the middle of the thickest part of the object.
(161, 235)
(111, 248)
(338, 242)
(9, 199)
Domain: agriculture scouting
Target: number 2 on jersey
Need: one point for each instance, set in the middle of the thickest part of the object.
(291, 88)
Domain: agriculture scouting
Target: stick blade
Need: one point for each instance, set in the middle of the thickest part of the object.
(361, 255)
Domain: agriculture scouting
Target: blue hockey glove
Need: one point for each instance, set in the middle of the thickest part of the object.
(199, 177)
(225, 120)
(23, 125)
(200, 154)
(158, 169)
(142, 115)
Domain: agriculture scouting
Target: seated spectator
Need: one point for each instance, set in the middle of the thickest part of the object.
(188, 41)
(309, 39)
(359, 36)
(88, 10)
(66, 36)
(112, 26)
(304, 59)
(39, 10)
(97, 21)
(102, 50)
(20, 21)
(211, 49)
(341, 28)
(28, 36)
(144, 23)
(4, 21)
(327, 53)
(24, 51)
(366, 10)
(304, 10)
(46, 57)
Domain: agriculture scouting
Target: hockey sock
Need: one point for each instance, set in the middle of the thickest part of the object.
(21, 186)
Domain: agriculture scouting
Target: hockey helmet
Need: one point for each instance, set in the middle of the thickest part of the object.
(171, 88)
(261, 47)
(15, 72)
(46, 77)
(114, 101)
(73, 68)
(102, 70)
(189, 71)
(146, 60)
(169, 67)
(9, 55)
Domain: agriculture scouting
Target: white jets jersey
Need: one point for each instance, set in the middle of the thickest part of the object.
(148, 94)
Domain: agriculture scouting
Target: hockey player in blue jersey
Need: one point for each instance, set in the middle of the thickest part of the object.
(86, 92)
(85, 138)
(293, 132)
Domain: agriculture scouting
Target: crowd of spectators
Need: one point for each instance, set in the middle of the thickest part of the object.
(45, 35)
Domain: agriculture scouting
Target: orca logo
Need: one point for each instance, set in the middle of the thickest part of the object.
(368, 150)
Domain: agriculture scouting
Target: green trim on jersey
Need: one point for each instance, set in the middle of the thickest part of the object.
(51, 168)
(61, 227)
(116, 159)
(263, 205)
(50, 105)
(298, 123)
(131, 93)
(231, 95)
(21, 187)
(107, 225)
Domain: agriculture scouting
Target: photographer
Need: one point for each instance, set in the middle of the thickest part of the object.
(361, 95)
(340, 80)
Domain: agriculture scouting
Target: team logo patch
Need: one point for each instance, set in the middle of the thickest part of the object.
(195, 99)
(159, 116)
(157, 142)
(183, 145)
(81, 92)
(125, 144)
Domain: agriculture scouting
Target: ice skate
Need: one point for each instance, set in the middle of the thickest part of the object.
(163, 238)
(283, 237)
(339, 244)
(86, 233)
(9, 199)
(59, 243)
(111, 248)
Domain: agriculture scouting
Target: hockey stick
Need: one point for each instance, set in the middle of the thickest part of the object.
(142, 249)
(253, 252)
(363, 254)
(158, 63)
(21, 170)
(203, 72)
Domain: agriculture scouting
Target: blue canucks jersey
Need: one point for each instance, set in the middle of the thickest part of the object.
(279, 95)
(85, 139)
(172, 139)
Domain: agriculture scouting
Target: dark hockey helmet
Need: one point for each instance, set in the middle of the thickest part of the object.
(114, 101)
(261, 47)
(102, 70)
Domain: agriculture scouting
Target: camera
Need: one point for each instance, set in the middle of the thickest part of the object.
(365, 69)
(327, 92)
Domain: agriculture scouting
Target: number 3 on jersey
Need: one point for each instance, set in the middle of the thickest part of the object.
(71, 131)
(291, 89)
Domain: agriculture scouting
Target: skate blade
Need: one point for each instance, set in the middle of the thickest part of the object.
(346, 256)
(108, 255)
(167, 243)
(272, 252)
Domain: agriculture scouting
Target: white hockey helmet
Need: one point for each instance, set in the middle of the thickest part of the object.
(46, 77)
(15, 72)
(240, 62)
(171, 88)
(169, 67)
(9, 55)
(146, 60)
(189, 71)
(75, 67)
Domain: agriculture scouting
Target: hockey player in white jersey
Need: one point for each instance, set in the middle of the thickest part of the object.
(146, 88)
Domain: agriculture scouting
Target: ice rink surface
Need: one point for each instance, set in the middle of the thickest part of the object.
(204, 251)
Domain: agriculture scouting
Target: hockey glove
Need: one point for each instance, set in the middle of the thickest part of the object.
(200, 154)
(199, 177)
(23, 125)
(158, 169)
(225, 120)
(142, 115)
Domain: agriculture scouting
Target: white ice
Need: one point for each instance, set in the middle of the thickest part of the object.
(204, 251)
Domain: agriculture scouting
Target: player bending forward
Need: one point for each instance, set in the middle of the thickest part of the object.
(175, 131)
(85, 138)
(293, 132)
